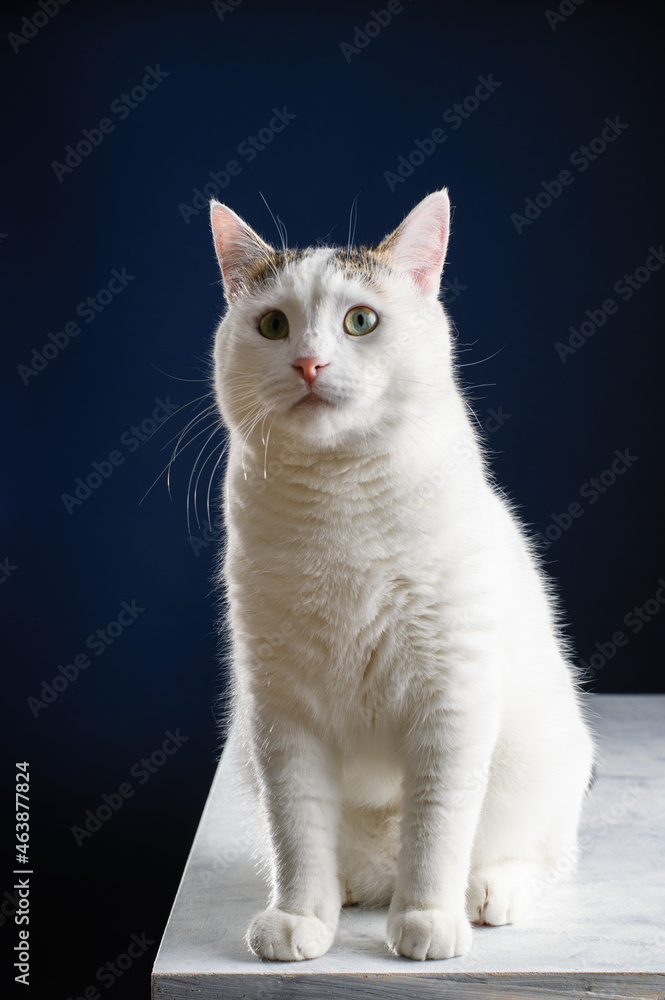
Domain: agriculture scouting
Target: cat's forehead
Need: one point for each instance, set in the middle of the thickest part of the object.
(300, 271)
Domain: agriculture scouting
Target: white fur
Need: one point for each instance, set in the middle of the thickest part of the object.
(408, 709)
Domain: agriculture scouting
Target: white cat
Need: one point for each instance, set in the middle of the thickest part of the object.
(402, 691)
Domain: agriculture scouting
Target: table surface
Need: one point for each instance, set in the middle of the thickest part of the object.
(601, 932)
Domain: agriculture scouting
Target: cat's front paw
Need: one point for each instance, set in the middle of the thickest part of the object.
(288, 937)
(422, 934)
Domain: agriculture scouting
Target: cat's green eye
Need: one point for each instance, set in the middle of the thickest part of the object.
(274, 325)
(360, 321)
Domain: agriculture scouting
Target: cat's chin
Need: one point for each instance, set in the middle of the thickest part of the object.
(317, 420)
(313, 417)
(317, 409)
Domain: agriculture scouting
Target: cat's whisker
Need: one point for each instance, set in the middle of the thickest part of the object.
(263, 423)
(281, 228)
(177, 451)
(419, 422)
(265, 456)
(203, 465)
(482, 360)
(179, 436)
(222, 453)
(167, 467)
(241, 390)
(178, 378)
(353, 218)
(252, 418)
(247, 436)
(204, 430)
(191, 402)
(250, 410)
(472, 413)
(391, 379)
(480, 385)
(188, 426)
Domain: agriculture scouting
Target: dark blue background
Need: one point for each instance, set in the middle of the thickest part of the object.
(119, 208)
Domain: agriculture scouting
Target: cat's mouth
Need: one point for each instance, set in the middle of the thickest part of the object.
(312, 400)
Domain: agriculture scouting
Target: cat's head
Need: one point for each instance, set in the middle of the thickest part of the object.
(327, 345)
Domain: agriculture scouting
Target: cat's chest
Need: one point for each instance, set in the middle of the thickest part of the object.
(341, 562)
(343, 518)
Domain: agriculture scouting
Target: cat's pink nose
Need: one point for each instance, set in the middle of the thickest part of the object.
(309, 367)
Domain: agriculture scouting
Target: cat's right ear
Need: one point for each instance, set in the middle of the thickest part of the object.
(240, 251)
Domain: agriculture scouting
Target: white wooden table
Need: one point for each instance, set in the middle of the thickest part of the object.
(599, 934)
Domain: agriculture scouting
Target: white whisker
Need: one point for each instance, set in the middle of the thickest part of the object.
(281, 229)
(191, 476)
(353, 218)
(178, 435)
(265, 457)
(482, 360)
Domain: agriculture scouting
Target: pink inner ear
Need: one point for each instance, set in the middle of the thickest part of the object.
(227, 233)
(422, 240)
(237, 246)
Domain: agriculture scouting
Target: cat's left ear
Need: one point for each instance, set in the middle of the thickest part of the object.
(240, 251)
(418, 245)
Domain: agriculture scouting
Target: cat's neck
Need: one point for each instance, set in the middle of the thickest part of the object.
(267, 453)
(411, 451)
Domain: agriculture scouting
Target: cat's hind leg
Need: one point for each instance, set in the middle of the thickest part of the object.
(527, 829)
(500, 893)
